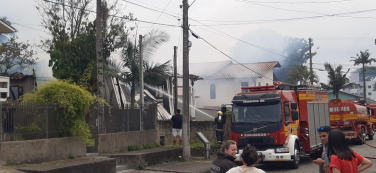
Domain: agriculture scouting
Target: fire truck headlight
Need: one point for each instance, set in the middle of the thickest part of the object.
(282, 150)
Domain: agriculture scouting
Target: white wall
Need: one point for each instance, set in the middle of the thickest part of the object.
(225, 89)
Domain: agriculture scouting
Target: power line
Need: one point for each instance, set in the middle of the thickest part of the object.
(28, 27)
(288, 19)
(229, 56)
(159, 15)
(265, 49)
(163, 12)
(114, 15)
(304, 2)
(192, 3)
(300, 10)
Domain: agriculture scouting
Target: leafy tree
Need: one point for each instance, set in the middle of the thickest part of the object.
(127, 69)
(14, 54)
(71, 44)
(300, 73)
(337, 80)
(75, 101)
(363, 59)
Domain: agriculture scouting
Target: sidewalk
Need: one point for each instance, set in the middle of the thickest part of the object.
(196, 165)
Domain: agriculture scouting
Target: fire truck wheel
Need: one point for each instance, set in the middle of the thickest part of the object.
(362, 136)
(370, 137)
(296, 160)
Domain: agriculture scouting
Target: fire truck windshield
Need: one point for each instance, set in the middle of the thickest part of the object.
(264, 112)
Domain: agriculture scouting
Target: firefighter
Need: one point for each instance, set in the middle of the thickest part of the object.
(220, 120)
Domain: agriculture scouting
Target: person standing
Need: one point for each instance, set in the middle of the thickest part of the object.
(177, 122)
(323, 133)
(342, 158)
(249, 158)
(220, 120)
(226, 158)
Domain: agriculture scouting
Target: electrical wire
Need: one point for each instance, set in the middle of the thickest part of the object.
(302, 2)
(28, 27)
(159, 16)
(91, 11)
(261, 75)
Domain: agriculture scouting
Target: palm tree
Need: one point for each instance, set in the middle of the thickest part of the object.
(337, 80)
(363, 59)
(127, 69)
(300, 73)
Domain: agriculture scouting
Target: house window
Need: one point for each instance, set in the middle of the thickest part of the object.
(287, 111)
(212, 91)
(259, 83)
(16, 92)
(369, 86)
(369, 93)
(356, 86)
(244, 84)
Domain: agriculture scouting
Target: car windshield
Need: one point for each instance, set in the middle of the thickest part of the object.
(265, 112)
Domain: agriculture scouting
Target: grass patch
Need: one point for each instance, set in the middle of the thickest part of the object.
(196, 143)
(142, 147)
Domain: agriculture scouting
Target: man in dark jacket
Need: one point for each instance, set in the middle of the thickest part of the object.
(225, 159)
(220, 120)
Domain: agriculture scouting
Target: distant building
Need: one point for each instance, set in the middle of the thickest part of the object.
(222, 80)
(357, 78)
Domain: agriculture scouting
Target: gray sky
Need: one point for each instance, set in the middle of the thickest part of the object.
(339, 36)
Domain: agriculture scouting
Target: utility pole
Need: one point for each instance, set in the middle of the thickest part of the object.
(100, 83)
(186, 116)
(175, 81)
(310, 60)
(141, 85)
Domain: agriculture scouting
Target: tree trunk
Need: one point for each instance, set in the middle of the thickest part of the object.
(364, 85)
(133, 91)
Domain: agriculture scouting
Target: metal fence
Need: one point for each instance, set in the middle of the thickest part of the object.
(20, 121)
(124, 120)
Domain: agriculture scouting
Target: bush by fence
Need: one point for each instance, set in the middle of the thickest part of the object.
(28, 121)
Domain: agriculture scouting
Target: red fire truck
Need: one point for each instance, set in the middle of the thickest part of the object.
(281, 121)
(372, 113)
(353, 118)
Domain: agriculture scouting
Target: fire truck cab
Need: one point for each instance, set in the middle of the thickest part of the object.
(281, 121)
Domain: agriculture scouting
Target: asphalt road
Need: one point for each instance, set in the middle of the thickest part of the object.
(306, 165)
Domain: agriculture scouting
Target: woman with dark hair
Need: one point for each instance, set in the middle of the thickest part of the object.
(342, 158)
(249, 158)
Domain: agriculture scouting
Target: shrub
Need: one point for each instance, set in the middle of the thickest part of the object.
(74, 100)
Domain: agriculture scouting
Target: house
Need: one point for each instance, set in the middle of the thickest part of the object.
(20, 84)
(344, 95)
(5, 28)
(223, 79)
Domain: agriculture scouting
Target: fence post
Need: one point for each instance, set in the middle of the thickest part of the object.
(128, 117)
(1, 122)
(46, 113)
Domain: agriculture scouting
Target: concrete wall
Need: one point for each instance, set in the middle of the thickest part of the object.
(119, 142)
(43, 150)
(225, 89)
(206, 127)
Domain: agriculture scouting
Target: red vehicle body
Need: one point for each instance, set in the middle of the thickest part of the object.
(352, 118)
(281, 121)
(371, 112)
